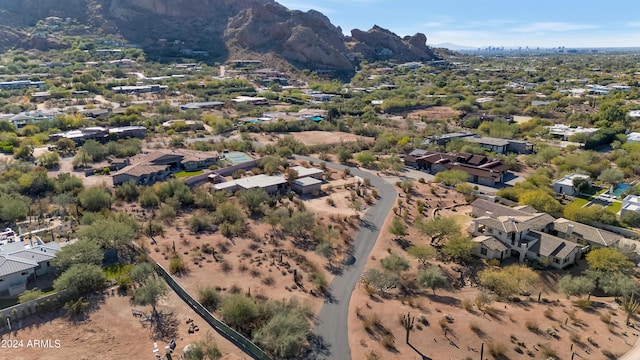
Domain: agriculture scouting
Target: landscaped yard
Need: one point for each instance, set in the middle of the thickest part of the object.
(580, 202)
(183, 174)
(614, 207)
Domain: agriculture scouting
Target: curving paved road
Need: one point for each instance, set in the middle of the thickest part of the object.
(331, 327)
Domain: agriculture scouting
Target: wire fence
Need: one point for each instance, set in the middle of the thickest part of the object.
(230, 334)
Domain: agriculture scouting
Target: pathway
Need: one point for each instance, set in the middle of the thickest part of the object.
(331, 326)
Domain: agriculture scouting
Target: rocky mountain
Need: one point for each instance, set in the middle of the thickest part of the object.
(225, 29)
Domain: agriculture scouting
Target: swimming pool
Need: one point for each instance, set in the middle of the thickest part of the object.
(620, 189)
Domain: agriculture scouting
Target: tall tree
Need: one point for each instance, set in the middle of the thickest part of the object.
(437, 228)
(432, 278)
(150, 293)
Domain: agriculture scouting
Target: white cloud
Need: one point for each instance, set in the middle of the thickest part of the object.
(553, 27)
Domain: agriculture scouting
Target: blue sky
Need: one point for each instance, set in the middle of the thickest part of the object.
(478, 23)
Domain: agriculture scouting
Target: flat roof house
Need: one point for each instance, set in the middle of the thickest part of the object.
(565, 185)
(630, 203)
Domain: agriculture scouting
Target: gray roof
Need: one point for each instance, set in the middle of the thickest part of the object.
(549, 245)
(497, 209)
(489, 141)
(18, 257)
(11, 264)
(307, 181)
(586, 232)
(491, 243)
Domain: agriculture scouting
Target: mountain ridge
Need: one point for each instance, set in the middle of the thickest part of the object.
(226, 29)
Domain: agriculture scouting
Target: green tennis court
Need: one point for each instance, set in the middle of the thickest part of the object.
(237, 157)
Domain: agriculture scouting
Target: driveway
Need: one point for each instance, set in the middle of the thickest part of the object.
(331, 325)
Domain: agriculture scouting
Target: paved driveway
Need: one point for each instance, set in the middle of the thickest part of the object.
(331, 326)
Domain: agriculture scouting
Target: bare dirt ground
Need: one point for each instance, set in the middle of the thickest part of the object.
(434, 113)
(315, 137)
(502, 325)
(263, 261)
(111, 332)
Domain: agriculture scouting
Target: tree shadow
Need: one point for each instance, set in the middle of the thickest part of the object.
(318, 348)
(164, 326)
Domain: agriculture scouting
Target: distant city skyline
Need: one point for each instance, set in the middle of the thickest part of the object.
(499, 23)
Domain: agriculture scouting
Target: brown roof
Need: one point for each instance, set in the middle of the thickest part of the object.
(141, 169)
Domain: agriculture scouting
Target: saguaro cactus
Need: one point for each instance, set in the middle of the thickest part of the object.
(407, 323)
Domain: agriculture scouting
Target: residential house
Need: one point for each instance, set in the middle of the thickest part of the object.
(630, 203)
(309, 180)
(565, 131)
(147, 169)
(21, 263)
(521, 235)
(565, 185)
(480, 169)
(498, 146)
(584, 234)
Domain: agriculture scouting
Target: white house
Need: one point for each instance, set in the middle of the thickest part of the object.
(630, 203)
(20, 263)
(633, 136)
(565, 185)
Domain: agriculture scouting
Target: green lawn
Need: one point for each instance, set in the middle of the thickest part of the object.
(614, 207)
(580, 202)
(182, 174)
(114, 271)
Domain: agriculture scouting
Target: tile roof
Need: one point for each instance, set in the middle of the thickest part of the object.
(586, 232)
(549, 245)
(491, 243)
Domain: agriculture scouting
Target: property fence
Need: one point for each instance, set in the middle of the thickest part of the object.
(20, 311)
(230, 334)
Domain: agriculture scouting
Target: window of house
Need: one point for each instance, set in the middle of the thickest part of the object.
(556, 260)
(24, 273)
(483, 251)
(1, 279)
(490, 231)
(499, 232)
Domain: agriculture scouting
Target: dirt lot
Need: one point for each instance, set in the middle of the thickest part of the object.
(264, 260)
(502, 325)
(435, 113)
(111, 332)
(315, 137)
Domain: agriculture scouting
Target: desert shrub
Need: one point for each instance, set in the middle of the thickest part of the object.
(209, 297)
(388, 341)
(532, 326)
(199, 223)
(548, 352)
(238, 311)
(605, 318)
(268, 281)
(226, 267)
(548, 313)
(372, 355)
(575, 338)
(583, 303)
(444, 324)
(177, 266)
(475, 328)
(551, 331)
(497, 349)
(491, 311)
(467, 304)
